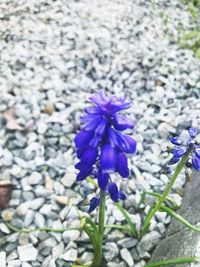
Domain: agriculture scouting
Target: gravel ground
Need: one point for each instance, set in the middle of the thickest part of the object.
(54, 54)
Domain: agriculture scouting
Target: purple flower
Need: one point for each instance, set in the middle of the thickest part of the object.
(101, 145)
(94, 202)
(184, 146)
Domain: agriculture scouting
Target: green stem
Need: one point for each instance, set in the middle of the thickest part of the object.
(99, 253)
(61, 230)
(180, 219)
(127, 218)
(173, 261)
(119, 226)
(165, 193)
(42, 229)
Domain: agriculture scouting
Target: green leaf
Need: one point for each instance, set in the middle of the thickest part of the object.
(197, 53)
(170, 199)
(180, 218)
(173, 261)
(128, 219)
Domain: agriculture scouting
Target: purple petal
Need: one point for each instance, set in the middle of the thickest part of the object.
(122, 123)
(126, 143)
(119, 103)
(91, 125)
(173, 160)
(196, 163)
(88, 158)
(122, 165)
(94, 202)
(108, 158)
(83, 174)
(179, 152)
(99, 132)
(192, 132)
(92, 110)
(197, 152)
(113, 191)
(122, 196)
(89, 117)
(112, 136)
(103, 179)
(101, 127)
(95, 141)
(83, 138)
(100, 99)
(176, 140)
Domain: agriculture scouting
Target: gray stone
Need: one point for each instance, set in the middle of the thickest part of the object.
(4, 228)
(127, 242)
(3, 258)
(126, 256)
(150, 240)
(70, 255)
(110, 251)
(57, 250)
(35, 178)
(39, 220)
(72, 235)
(26, 264)
(87, 257)
(14, 263)
(23, 239)
(36, 203)
(12, 256)
(29, 218)
(181, 241)
(27, 253)
(69, 179)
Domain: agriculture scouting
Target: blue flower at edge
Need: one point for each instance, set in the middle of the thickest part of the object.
(182, 147)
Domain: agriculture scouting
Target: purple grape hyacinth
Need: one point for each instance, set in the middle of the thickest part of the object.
(100, 145)
(182, 147)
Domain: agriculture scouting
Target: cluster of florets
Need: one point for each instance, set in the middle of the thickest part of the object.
(186, 146)
(101, 147)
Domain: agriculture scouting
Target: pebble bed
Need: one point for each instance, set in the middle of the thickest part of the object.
(54, 55)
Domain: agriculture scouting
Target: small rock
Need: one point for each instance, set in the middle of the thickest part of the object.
(12, 256)
(87, 257)
(69, 179)
(39, 220)
(23, 239)
(26, 264)
(29, 218)
(35, 178)
(126, 256)
(111, 251)
(62, 200)
(14, 263)
(142, 253)
(127, 242)
(48, 182)
(57, 250)
(4, 228)
(7, 215)
(27, 253)
(72, 235)
(3, 258)
(36, 203)
(42, 127)
(70, 255)
(150, 240)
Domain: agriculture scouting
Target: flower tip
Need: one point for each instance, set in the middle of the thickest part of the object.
(94, 202)
(176, 140)
(192, 132)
